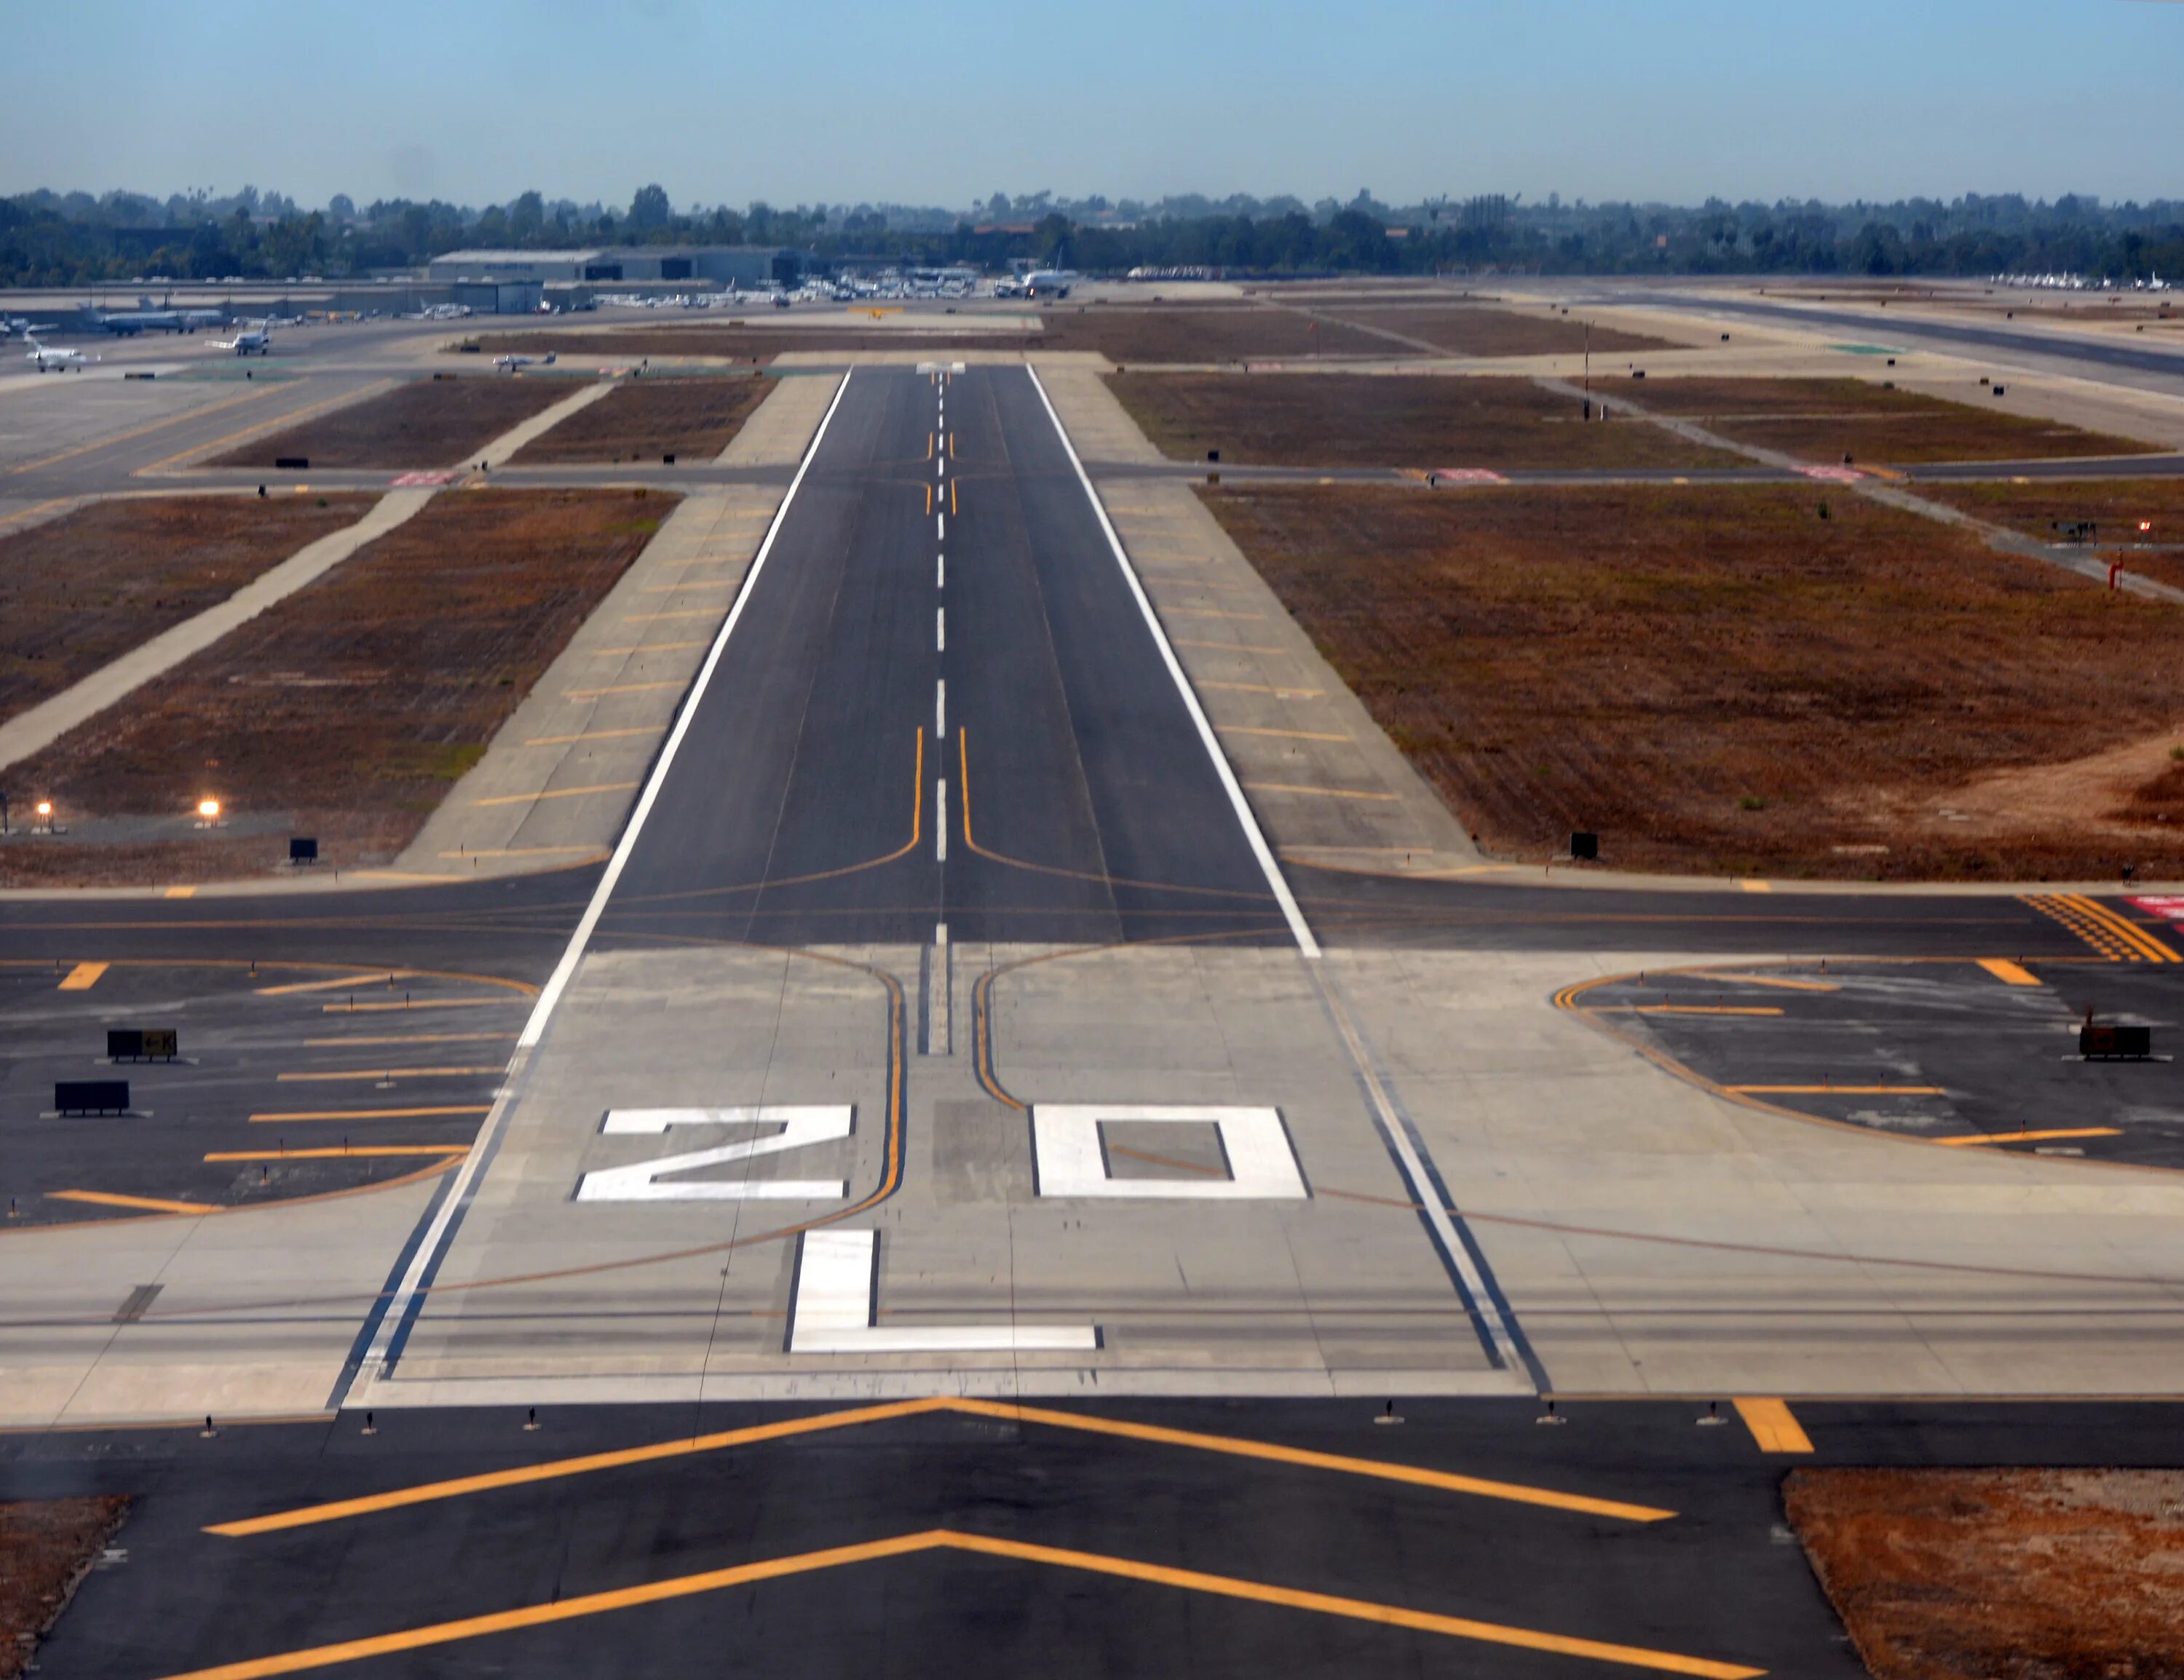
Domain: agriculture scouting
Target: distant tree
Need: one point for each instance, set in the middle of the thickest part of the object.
(650, 210)
(527, 217)
(342, 208)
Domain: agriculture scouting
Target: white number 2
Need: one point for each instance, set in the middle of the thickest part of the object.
(800, 1127)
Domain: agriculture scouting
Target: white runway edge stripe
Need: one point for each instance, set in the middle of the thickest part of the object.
(459, 1193)
(1305, 943)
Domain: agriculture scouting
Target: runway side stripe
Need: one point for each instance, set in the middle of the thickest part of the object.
(566, 969)
(1306, 944)
(402, 1303)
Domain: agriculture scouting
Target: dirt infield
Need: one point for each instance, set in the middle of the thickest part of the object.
(1477, 330)
(692, 419)
(427, 423)
(1825, 419)
(85, 589)
(2115, 506)
(1718, 680)
(1126, 334)
(1363, 419)
(346, 711)
(2000, 1574)
(46, 1546)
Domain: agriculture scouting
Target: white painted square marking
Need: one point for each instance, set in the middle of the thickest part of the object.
(801, 1126)
(1068, 1160)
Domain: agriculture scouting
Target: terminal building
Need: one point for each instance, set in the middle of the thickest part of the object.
(513, 283)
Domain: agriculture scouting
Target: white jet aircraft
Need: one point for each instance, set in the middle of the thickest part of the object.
(43, 357)
(512, 363)
(257, 342)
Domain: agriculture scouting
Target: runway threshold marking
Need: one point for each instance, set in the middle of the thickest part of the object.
(1773, 1425)
(2008, 973)
(107, 1198)
(1231, 1446)
(82, 977)
(949, 1540)
(1981, 1139)
(373, 1114)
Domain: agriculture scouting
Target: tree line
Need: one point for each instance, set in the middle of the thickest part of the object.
(52, 239)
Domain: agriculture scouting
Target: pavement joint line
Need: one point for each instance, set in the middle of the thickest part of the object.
(945, 1539)
(1773, 1425)
(405, 1296)
(1254, 836)
(1287, 735)
(1085, 1423)
(646, 648)
(82, 977)
(1237, 648)
(617, 689)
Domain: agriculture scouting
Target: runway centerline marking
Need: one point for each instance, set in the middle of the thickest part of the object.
(947, 1540)
(1229, 1446)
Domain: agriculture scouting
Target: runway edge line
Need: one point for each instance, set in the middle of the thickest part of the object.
(1308, 944)
(408, 1296)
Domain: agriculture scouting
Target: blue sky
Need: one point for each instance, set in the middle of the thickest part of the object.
(950, 100)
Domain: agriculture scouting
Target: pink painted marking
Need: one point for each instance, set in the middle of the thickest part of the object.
(1468, 475)
(1833, 474)
(421, 480)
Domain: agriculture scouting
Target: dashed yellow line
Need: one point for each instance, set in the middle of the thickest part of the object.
(1838, 1090)
(369, 977)
(2008, 973)
(82, 977)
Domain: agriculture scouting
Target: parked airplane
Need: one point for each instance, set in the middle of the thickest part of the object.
(1047, 283)
(257, 342)
(60, 361)
(512, 363)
